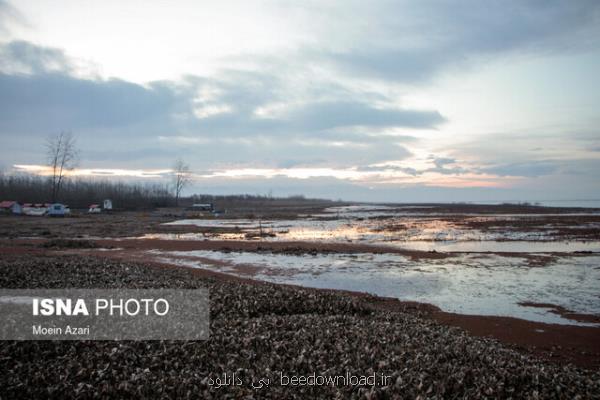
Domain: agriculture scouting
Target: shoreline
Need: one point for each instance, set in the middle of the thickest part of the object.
(560, 344)
(261, 329)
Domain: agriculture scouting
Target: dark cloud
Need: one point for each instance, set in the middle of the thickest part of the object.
(455, 34)
(315, 119)
(322, 116)
(326, 108)
(40, 95)
(45, 103)
(116, 116)
(412, 66)
(440, 162)
(57, 98)
(587, 167)
(23, 57)
(527, 169)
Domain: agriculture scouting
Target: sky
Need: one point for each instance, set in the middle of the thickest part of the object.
(386, 101)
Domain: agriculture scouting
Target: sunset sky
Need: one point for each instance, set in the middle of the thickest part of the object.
(380, 101)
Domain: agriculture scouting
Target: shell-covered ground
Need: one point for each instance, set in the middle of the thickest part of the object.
(259, 331)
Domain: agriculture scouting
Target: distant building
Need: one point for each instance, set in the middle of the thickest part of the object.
(58, 210)
(107, 204)
(10, 207)
(94, 209)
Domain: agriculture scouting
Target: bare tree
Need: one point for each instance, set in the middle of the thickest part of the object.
(62, 157)
(181, 178)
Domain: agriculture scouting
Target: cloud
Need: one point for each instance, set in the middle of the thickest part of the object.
(23, 57)
(339, 96)
(527, 169)
(322, 116)
(440, 167)
(334, 188)
(39, 95)
(10, 16)
(260, 103)
(394, 168)
(45, 103)
(411, 43)
(99, 172)
(315, 119)
(440, 162)
(39, 80)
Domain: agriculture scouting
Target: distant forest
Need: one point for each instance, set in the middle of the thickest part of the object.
(80, 193)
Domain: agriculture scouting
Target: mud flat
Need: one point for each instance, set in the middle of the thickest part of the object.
(260, 330)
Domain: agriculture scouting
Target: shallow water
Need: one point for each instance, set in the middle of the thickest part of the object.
(401, 228)
(355, 236)
(500, 247)
(467, 283)
(480, 277)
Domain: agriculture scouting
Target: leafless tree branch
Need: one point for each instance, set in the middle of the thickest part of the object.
(62, 157)
(181, 178)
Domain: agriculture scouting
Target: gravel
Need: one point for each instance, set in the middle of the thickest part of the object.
(260, 331)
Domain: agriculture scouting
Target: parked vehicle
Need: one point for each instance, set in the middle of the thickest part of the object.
(35, 210)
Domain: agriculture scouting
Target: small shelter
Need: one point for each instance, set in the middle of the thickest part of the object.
(94, 209)
(107, 204)
(10, 207)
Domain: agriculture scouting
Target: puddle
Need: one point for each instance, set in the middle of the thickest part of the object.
(467, 283)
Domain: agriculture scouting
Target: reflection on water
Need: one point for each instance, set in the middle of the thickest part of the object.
(191, 236)
(470, 281)
(406, 227)
(467, 283)
(355, 236)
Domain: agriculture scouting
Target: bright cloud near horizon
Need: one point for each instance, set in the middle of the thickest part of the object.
(378, 101)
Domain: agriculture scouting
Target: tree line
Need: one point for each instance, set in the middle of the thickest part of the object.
(63, 156)
(80, 193)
